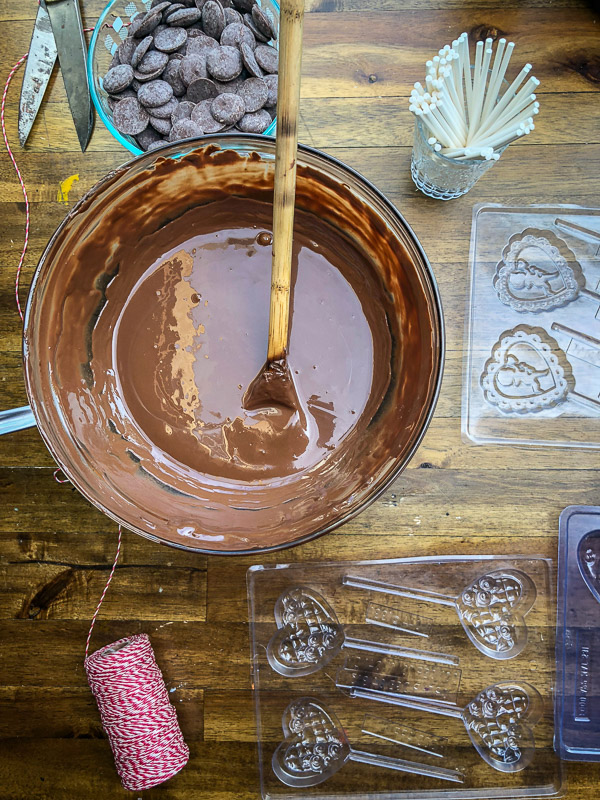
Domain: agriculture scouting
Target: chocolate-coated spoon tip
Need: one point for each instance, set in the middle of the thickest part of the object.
(273, 387)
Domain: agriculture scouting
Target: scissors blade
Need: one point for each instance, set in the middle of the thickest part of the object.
(40, 62)
(70, 43)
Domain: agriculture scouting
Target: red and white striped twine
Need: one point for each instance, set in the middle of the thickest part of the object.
(57, 476)
(19, 176)
(106, 585)
(11, 74)
(137, 715)
(139, 720)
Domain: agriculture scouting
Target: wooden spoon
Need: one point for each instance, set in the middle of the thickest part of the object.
(274, 384)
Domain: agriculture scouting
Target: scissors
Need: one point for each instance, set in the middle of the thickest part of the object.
(58, 31)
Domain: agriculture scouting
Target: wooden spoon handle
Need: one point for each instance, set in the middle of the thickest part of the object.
(290, 58)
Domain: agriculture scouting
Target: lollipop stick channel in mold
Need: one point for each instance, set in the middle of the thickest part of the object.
(393, 678)
(415, 739)
(491, 608)
(585, 338)
(578, 230)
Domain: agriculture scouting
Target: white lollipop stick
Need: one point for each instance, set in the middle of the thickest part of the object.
(467, 71)
(520, 103)
(504, 65)
(510, 97)
(451, 112)
(448, 91)
(499, 78)
(434, 127)
(477, 89)
(451, 134)
(457, 76)
(492, 92)
(506, 136)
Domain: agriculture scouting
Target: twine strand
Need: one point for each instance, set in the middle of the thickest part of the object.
(106, 585)
(11, 74)
(137, 715)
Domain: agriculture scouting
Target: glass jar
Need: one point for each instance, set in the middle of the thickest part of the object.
(441, 177)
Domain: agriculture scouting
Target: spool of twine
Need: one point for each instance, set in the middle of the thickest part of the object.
(137, 715)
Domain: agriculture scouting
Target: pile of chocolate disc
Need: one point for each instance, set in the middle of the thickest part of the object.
(186, 69)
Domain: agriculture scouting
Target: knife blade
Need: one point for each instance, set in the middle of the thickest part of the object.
(40, 62)
(70, 43)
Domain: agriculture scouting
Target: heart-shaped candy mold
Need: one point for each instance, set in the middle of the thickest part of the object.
(492, 610)
(500, 723)
(527, 371)
(315, 745)
(308, 636)
(538, 272)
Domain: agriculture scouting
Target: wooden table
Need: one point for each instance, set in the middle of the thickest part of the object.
(361, 58)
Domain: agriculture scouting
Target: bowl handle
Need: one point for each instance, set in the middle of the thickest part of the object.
(16, 419)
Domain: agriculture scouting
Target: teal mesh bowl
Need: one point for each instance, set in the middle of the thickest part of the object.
(110, 31)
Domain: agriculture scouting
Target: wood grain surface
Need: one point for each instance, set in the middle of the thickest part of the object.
(360, 59)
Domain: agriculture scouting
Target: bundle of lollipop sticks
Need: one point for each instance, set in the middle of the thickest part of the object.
(463, 106)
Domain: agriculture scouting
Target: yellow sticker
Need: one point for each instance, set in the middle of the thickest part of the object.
(65, 187)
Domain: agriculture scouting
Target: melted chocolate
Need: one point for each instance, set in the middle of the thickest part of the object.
(191, 336)
(273, 387)
(149, 320)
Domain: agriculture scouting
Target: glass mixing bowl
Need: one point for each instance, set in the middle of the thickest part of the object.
(70, 342)
(110, 31)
